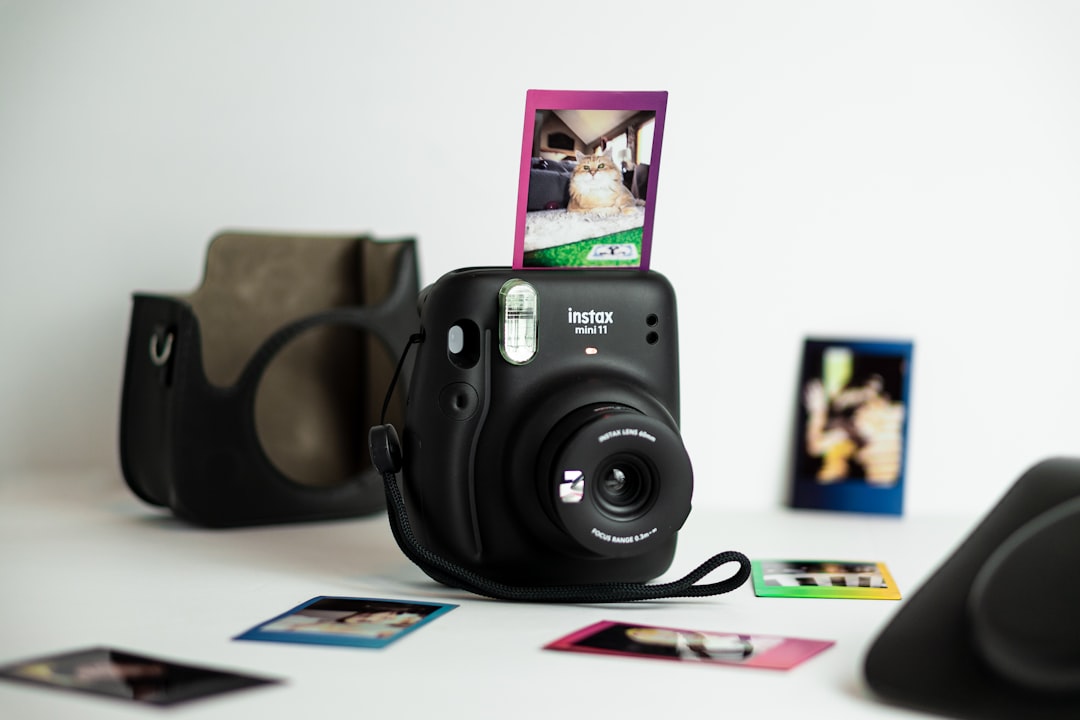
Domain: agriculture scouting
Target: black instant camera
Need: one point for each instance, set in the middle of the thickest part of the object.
(541, 440)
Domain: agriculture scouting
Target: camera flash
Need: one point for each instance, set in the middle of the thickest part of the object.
(517, 322)
(591, 351)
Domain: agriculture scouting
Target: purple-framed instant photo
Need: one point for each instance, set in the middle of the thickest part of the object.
(851, 425)
(587, 187)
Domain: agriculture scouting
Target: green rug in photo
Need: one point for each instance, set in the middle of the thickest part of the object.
(621, 249)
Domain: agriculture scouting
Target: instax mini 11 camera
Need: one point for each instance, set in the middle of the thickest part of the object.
(541, 441)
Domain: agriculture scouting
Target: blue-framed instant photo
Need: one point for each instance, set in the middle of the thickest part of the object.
(851, 425)
(345, 621)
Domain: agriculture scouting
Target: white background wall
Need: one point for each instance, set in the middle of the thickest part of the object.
(906, 169)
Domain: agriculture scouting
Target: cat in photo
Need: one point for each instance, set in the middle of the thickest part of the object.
(596, 185)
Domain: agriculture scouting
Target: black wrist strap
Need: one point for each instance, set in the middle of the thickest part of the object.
(386, 456)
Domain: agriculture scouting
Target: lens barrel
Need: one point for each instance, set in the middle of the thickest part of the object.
(619, 481)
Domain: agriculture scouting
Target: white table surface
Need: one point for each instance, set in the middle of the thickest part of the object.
(84, 563)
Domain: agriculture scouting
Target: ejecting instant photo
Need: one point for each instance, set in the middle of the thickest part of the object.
(587, 187)
(354, 622)
(823, 579)
(851, 425)
(127, 676)
(757, 651)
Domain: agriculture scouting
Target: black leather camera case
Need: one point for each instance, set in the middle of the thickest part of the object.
(247, 401)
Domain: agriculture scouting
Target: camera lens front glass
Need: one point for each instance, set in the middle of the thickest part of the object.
(625, 487)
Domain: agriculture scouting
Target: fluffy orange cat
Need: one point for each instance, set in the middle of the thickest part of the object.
(596, 186)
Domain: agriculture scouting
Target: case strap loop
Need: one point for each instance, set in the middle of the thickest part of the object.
(160, 357)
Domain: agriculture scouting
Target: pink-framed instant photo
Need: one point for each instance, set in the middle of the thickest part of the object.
(769, 652)
(587, 186)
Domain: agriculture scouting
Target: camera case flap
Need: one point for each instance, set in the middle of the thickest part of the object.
(245, 402)
(541, 435)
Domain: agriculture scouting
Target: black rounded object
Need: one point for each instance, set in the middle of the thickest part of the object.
(385, 449)
(1023, 604)
(990, 634)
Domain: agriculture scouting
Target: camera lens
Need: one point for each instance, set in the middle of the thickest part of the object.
(625, 487)
(618, 482)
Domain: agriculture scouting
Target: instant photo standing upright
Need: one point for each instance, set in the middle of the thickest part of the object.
(851, 425)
